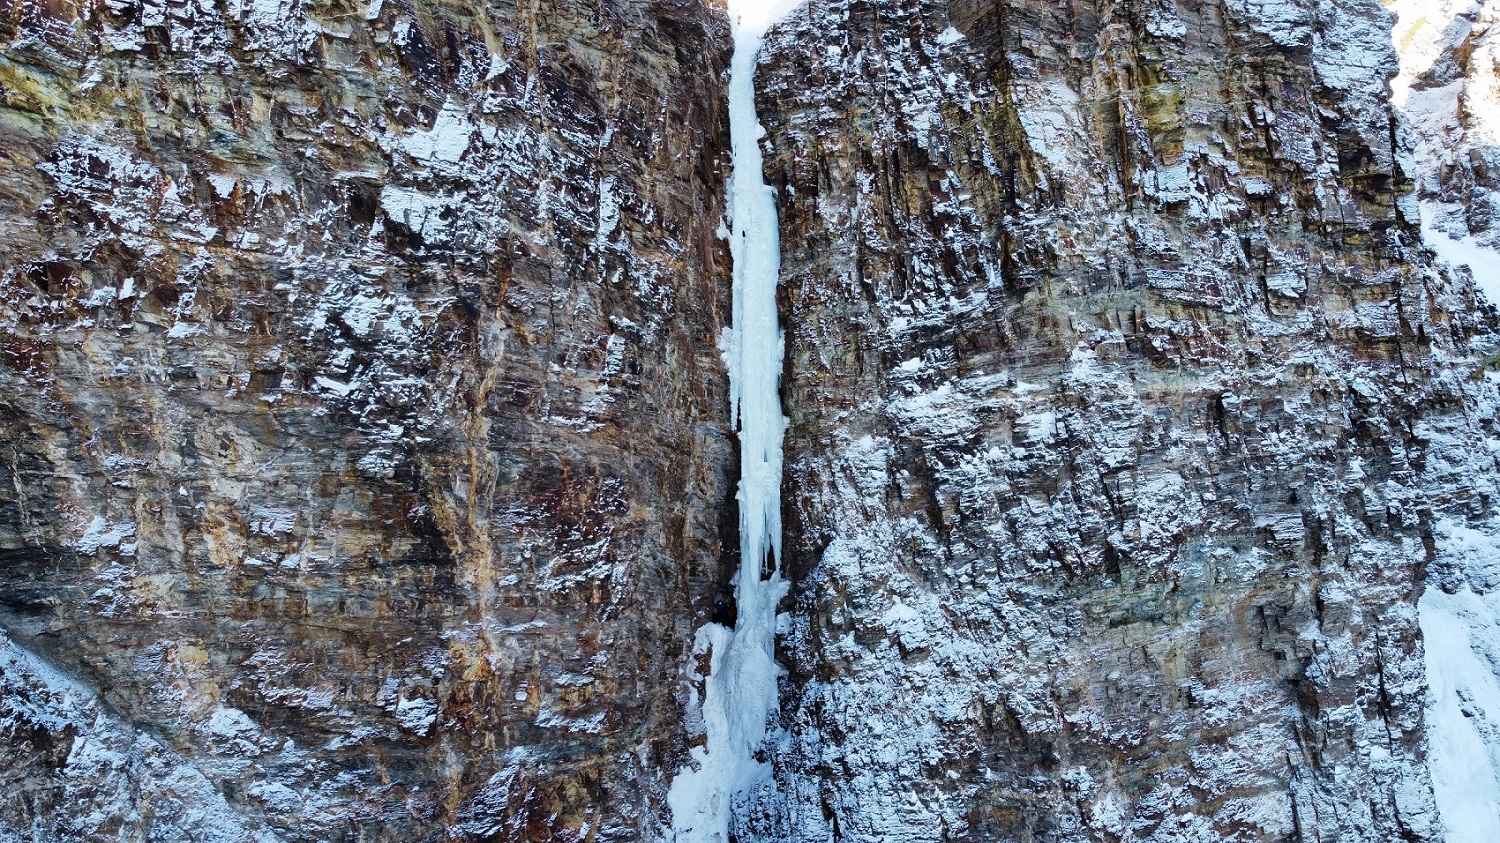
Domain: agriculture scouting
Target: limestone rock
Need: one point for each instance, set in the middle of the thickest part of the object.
(365, 436)
(1114, 369)
(368, 468)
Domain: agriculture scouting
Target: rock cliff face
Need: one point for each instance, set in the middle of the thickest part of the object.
(1449, 87)
(1124, 404)
(1449, 93)
(367, 439)
(365, 430)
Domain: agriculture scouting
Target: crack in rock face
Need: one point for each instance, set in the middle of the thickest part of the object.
(739, 690)
(400, 397)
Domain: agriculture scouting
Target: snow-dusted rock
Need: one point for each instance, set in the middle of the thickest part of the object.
(368, 470)
(1110, 350)
(364, 436)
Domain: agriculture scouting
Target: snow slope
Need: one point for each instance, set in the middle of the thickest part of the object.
(1482, 261)
(1463, 711)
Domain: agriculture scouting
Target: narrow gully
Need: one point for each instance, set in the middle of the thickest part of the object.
(740, 691)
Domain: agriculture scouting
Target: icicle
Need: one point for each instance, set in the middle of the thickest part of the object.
(740, 691)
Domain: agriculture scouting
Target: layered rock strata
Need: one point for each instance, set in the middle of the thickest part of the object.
(365, 446)
(1126, 410)
(368, 441)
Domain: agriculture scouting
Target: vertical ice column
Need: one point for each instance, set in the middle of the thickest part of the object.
(740, 690)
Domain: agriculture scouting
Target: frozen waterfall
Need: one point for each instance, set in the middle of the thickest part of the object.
(740, 690)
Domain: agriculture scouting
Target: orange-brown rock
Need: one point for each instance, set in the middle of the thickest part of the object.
(365, 434)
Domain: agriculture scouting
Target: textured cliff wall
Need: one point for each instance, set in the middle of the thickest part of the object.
(1127, 415)
(1449, 92)
(365, 434)
(1449, 89)
(366, 438)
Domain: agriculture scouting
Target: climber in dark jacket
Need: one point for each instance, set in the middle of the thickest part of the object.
(724, 612)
